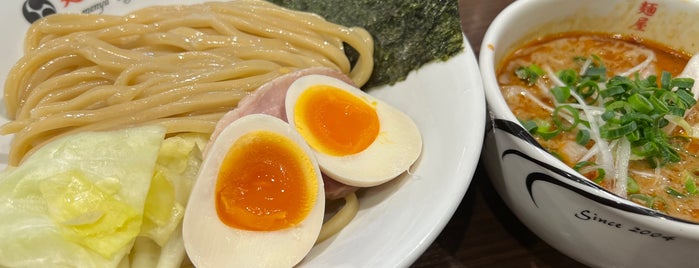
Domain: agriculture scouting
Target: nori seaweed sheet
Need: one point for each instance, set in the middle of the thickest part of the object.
(407, 33)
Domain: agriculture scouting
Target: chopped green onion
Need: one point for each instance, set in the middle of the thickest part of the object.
(690, 185)
(608, 115)
(686, 97)
(598, 73)
(659, 105)
(646, 200)
(662, 122)
(665, 80)
(568, 77)
(547, 133)
(560, 123)
(637, 117)
(669, 155)
(583, 137)
(634, 136)
(582, 164)
(541, 128)
(561, 94)
(600, 171)
(596, 70)
(676, 111)
(612, 91)
(597, 60)
(588, 90)
(682, 83)
(617, 131)
(632, 186)
(671, 191)
(530, 73)
(640, 103)
(545, 130)
(600, 175)
(645, 150)
(621, 106)
(529, 125)
(620, 81)
(648, 84)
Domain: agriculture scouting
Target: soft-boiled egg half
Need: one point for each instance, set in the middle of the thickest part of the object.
(359, 140)
(258, 200)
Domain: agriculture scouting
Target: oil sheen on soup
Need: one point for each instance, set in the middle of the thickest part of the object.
(527, 79)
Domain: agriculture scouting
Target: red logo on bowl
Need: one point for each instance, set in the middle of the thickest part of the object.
(66, 2)
(647, 10)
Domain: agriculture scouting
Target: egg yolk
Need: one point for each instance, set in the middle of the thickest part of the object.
(334, 121)
(266, 182)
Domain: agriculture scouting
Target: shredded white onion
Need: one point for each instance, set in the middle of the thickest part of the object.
(676, 121)
(590, 153)
(643, 174)
(524, 92)
(621, 171)
(584, 66)
(650, 57)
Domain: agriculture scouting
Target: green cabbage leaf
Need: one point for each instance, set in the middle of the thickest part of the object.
(79, 201)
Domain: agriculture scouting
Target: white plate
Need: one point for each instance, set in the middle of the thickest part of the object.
(397, 221)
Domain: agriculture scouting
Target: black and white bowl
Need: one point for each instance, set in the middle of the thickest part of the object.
(568, 211)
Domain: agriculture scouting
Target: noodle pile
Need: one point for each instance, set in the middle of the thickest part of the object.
(181, 67)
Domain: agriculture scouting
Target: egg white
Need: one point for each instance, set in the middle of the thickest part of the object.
(211, 243)
(396, 148)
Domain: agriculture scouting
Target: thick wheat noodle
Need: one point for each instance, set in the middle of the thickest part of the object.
(81, 102)
(203, 123)
(63, 87)
(128, 111)
(196, 124)
(170, 63)
(56, 66)
(340, 219)
(198, 102)
(300, 39)
(160, 95)
(110, 54)
(102, 70)
(53, 103)
(77, 116)
(18, 83)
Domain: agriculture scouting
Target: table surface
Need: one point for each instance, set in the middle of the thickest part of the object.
(483, 232)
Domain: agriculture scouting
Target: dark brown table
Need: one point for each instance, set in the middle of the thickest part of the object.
(483, 232)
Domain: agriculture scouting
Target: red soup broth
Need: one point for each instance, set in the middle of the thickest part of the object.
(619, 54)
